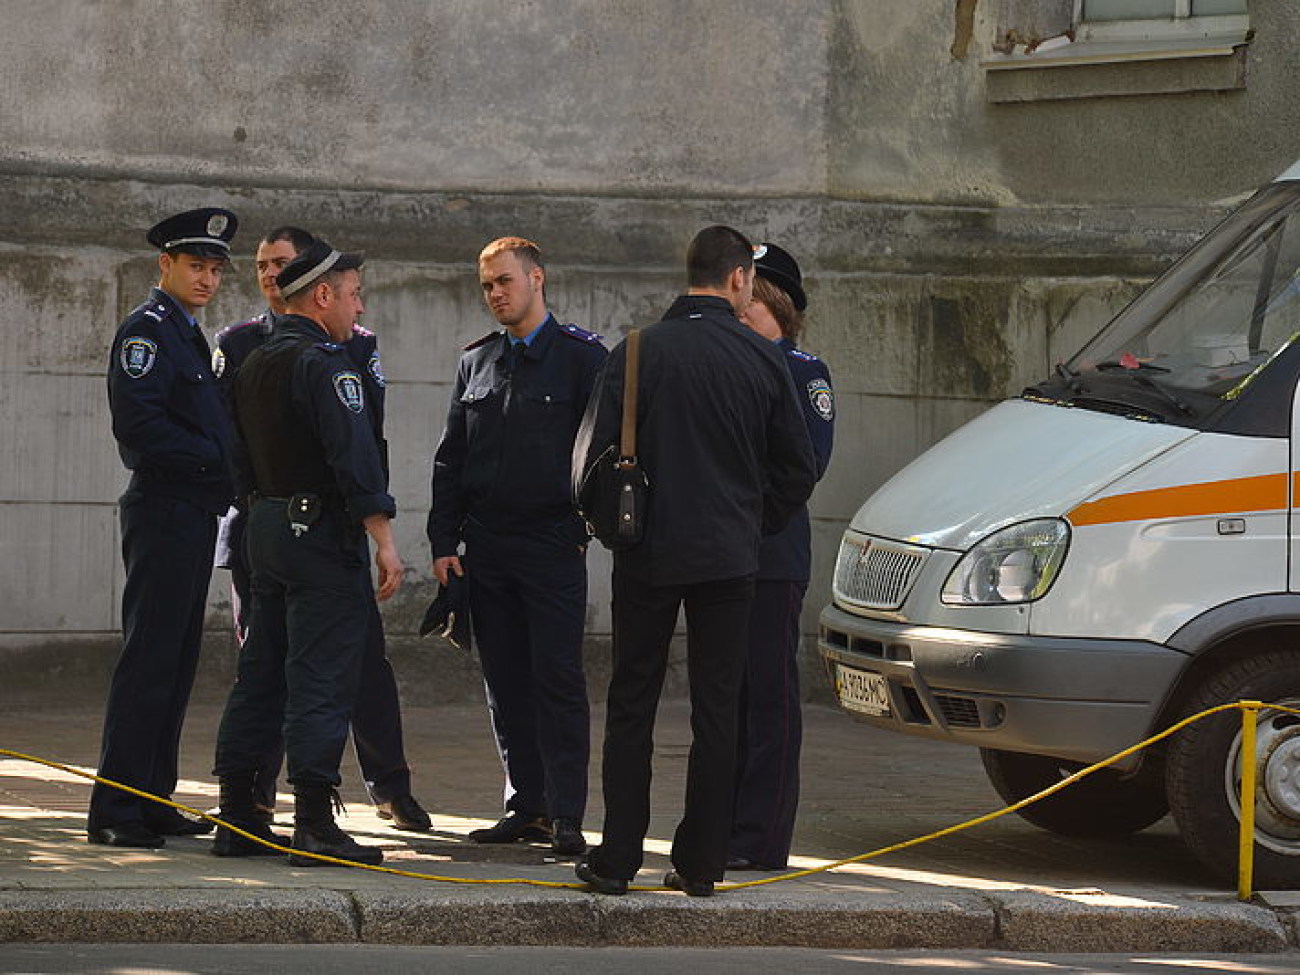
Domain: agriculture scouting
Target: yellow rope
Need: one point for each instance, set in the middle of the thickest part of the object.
(793, 875)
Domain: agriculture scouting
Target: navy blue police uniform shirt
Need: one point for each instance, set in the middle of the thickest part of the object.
(171, 424)
(505, 454)
(329, 397)
(787, 555)
(233, 345)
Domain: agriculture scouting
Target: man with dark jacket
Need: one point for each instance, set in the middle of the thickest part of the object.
(173, 434)
(721, 435)
(501, 490)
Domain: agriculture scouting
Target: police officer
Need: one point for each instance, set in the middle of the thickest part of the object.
(501, 487)
(312, 463)
(771, 726)
(173, 434)
(376, 717)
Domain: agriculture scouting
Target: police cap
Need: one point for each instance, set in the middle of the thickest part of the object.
(782, 270)
(205, 232)
(316, 259)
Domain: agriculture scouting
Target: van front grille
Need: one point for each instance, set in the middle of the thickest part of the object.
(874, 573)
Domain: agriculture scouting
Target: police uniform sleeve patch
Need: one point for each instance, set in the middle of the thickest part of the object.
(822, 399)
(218, 362)
(347, 386)
(137, 356)
(376, 369)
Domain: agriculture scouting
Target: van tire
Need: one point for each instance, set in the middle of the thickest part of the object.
(1203, 777)
(1103, 804)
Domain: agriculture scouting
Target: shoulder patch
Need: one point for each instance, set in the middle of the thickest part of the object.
(481, 341)
(347, 386)
(218, 362)
(573, 331)
(137, 356)
(822, 398)
(801, 355)
(376, 369)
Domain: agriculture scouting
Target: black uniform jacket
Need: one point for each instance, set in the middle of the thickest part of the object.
(720, 434)
(504, 456)
(327, 407)
(171, 426)
(787, 555)
(234, 344)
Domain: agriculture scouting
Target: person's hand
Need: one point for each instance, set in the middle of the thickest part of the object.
(391, 570)
(445, 565)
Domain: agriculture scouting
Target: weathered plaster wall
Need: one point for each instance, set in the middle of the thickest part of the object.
(954, 250)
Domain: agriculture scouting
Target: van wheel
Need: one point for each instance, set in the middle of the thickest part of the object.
(1204, 771)
(1106, 803)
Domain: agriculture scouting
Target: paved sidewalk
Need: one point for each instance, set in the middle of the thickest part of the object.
(1001, 885)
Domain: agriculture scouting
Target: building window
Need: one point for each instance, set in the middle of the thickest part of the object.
(1200, 42)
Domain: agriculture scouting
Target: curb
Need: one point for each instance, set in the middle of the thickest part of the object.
(1070, 922)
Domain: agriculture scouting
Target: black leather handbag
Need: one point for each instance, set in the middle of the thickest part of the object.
(615, 489)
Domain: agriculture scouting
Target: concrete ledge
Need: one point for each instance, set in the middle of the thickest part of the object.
(187, 916)
(1096, 921)
(857, 921)
(478, 916)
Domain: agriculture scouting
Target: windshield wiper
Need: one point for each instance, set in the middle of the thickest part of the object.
(1139, 367)
(1164, 394)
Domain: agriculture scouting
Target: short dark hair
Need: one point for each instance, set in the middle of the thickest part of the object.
(296, 236)
(714, 253)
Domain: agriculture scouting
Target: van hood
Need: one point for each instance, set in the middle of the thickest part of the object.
(1019, 460)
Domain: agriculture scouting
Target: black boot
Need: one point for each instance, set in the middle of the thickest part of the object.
(238, 810)
(314, 830)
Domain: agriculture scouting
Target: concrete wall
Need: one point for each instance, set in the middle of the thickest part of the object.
(955, 248)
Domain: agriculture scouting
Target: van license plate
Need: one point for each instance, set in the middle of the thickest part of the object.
(861, 690)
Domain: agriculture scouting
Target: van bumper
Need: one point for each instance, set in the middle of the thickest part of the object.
(1079, 699)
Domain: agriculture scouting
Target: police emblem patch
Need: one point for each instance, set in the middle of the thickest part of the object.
(218, 363)
(216, 224)
(376, 370)
(347, 385)
(822, 398)
(138, 356)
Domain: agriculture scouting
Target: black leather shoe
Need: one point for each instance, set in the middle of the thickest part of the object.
(745, 863)
(328, 840)
(133, 834)
(598, 884)
(229, 844)
(405, 813)
(693, 888)
(567, 839)
(172, 822)
(512, 827)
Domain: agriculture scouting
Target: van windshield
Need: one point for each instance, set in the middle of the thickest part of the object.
(1203, 332)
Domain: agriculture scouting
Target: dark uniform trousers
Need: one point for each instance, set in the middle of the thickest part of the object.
(167, 546)
(528, 600)
(717, 622)
(309, 627)
(771, 727)
(376, 714)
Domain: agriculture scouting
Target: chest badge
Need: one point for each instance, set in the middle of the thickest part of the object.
(347, 385)
(138, 356)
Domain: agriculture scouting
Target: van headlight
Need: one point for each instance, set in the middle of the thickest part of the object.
(1016, 564)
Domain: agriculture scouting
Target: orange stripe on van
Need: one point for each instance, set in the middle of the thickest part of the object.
(1263, 492)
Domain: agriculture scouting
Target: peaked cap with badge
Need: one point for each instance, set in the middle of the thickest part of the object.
(205, 232)
(776, 264)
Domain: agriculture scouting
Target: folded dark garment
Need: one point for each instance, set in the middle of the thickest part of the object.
(448, 614)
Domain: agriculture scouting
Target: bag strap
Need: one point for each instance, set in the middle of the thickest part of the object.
(627, 441)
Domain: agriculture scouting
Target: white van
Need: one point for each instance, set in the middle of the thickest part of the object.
(1117, 548)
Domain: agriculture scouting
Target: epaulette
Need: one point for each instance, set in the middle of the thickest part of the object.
(802, 355)
(240, 326)
(152, 309)
(479, 342)
(329, 346)
(581, 334)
